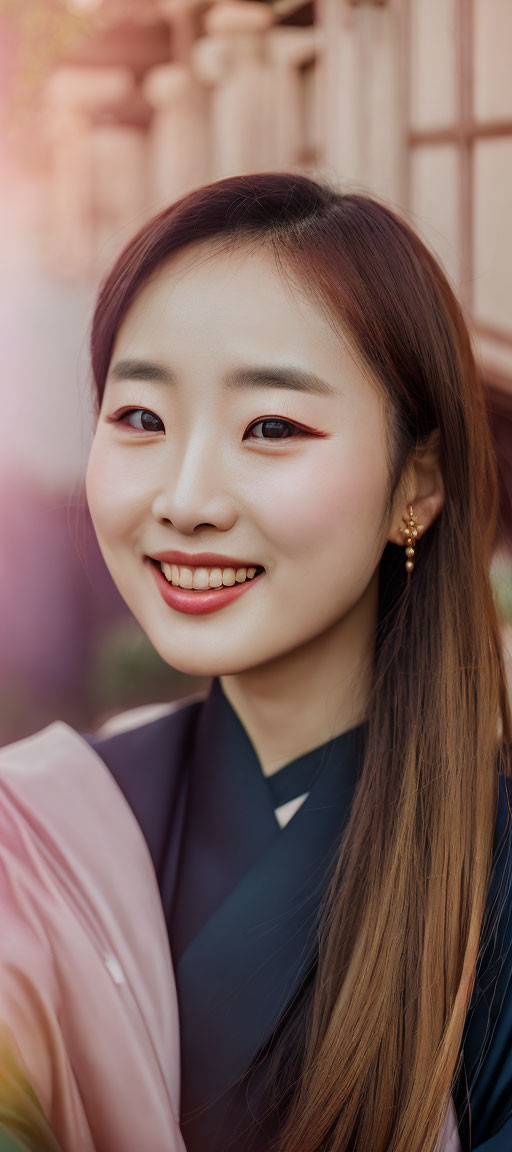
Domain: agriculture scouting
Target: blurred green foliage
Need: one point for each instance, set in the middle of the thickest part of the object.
(128, 671)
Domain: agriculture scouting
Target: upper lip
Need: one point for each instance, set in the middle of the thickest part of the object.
(203, 560)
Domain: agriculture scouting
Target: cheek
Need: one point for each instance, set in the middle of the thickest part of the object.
(330, 509)
(114, 492)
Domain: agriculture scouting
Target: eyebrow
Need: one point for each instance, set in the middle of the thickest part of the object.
(259, 376)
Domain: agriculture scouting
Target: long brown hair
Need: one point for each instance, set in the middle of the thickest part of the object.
(402, 919)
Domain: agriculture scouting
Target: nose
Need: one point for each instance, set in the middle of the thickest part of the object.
(195, 491)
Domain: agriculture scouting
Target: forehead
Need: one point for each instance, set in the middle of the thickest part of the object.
(235, 301)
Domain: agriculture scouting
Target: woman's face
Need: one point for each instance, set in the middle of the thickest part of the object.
(209, 351)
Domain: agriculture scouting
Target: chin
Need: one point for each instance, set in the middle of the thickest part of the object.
(205, 665)
(202, 666)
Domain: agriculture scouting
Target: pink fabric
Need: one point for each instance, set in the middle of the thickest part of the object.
(87, 986)
(449, 1141)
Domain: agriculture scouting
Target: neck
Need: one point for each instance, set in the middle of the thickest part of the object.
(299, 701)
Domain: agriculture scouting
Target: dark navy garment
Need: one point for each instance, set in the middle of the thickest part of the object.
(241, 897)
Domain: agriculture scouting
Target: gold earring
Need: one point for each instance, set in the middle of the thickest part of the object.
(411, 533)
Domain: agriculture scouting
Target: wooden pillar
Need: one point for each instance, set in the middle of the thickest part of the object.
(232, 60)
(73, 95)
(363, 68)
(178, 143)
(289, 50)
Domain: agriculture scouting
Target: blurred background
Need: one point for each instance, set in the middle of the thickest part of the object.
(110, 109)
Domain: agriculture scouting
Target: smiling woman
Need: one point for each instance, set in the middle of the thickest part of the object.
(283, 907)
(236, 446)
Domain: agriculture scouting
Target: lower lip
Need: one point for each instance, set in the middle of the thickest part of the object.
(198, 603)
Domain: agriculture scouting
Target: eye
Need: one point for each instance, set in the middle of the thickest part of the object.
(273, 428)
(148, 425)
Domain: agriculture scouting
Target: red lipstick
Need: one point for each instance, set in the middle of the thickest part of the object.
(198, 603)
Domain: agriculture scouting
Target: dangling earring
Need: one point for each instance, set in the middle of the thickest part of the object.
(411, 533)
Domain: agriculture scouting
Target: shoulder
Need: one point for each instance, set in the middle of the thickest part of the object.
(141, 733)
(150, 743)
(40, 768)
(60, 811)
(42, 775)
(146, 715)
(146, 752)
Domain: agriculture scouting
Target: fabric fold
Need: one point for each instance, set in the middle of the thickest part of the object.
(92, 1007)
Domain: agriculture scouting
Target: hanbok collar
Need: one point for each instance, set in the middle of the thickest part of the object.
(244, 964)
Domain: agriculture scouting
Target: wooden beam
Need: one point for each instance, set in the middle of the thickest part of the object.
(459, 133)
(491, 332)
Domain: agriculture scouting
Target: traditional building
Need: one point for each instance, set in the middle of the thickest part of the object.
(410, 99)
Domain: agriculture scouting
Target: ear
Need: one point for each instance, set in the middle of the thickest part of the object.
(422, 486)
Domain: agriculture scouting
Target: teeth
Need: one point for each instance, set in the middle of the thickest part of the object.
(202, 578)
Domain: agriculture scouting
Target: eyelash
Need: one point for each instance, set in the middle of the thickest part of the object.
(280, 419)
